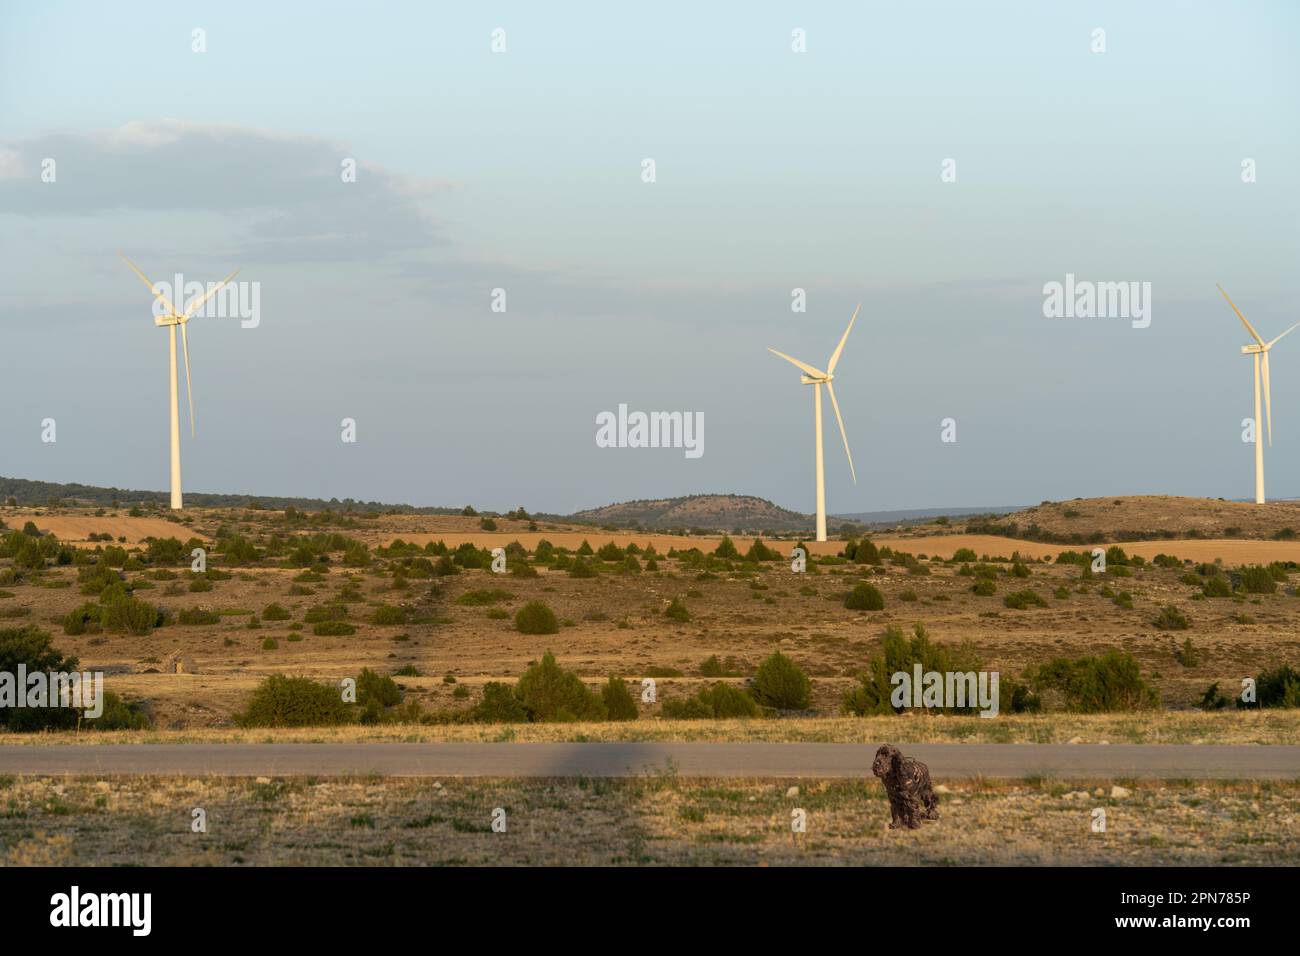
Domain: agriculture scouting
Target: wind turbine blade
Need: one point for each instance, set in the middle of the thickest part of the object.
(830, 390)
(1268, 402)
(1283, 335)
(198, 303)
(189, 391)
(171, 309)
(808, 369)
(830, 368)
(1249, 328)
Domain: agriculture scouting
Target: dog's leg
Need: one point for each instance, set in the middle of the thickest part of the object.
(931, 801)
(911, 812)
(895, 810)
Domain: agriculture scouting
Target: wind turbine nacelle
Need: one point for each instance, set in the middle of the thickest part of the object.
(161, 320)
(815, 381)
(1251, 349)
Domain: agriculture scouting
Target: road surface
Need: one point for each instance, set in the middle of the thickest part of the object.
(770, 760)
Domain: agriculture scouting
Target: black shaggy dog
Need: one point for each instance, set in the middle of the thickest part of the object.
(907, 783)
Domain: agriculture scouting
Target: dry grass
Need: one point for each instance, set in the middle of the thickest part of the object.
(613, 624)
(658, 820)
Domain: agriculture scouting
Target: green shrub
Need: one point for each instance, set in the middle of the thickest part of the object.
(79, 620)
(1257, 580)
(389, 614)
(618, 701)
(1212, 699)
(719, 702)
(374, 688)
(482, 597)
(1216, 586)
(30, 647)
(131, 615)
(964, 555)
(1276, 687)
(610, 552)
(726, 549)
(984, 587)
(333, 629)
(281, 701)
(899, 654)
(270, 644)
(1021, 600)
(118, 715)
(536, 618)
(197, 615)
(1187, 655)
(1097, 684)
(581, 569)
(550, 693)
(499, 706)
(325, 612)
(781, 683)
(865, 597)
(274, 612)
(1171, 619)
(677, 611)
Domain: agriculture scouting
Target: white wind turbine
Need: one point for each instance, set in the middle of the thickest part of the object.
(173, 319)
(1260, 350)
(817, 378)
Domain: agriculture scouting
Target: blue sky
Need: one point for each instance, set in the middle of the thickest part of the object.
(775, 170)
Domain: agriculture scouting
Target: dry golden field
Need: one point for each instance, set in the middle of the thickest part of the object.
(613, 624)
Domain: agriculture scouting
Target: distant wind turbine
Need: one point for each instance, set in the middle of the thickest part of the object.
(817, 378)
(173, 319)
(1260, 350)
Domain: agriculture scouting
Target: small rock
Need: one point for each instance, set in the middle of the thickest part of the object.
(1119, 793)
(1099, 792)
(942, 789)
(262, 780)
(437, 785)
(956, 802)
(792, 792)
(1075, 740)
(1103, 743)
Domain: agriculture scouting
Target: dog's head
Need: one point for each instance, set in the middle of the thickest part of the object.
(886, 758)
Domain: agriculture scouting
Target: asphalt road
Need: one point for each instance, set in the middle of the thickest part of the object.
(771, 760)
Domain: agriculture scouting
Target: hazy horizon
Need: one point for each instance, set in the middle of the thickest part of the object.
(775, 170)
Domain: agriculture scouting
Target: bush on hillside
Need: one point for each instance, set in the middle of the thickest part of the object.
(536, 618)
(281, 701)
(781, 683)
(865, 597)
(719, 702)
(618, 701)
